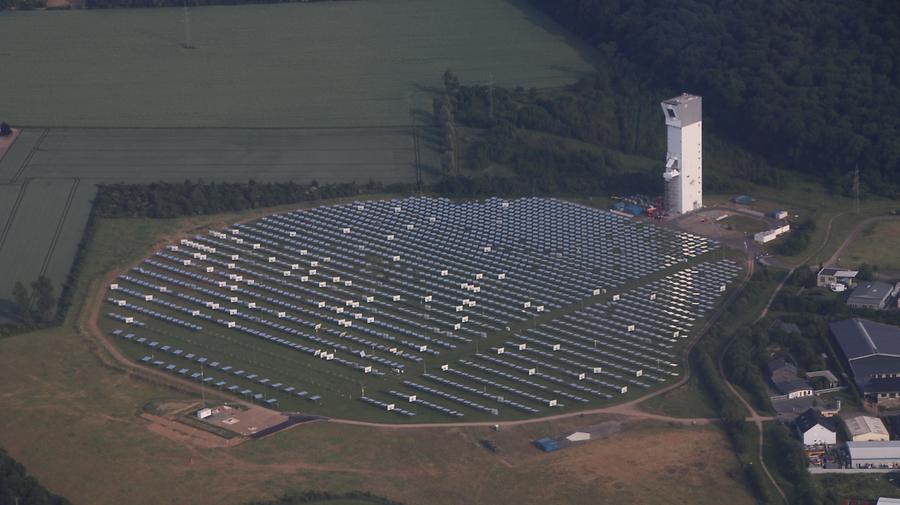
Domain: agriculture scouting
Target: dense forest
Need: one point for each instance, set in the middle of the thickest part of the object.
(19, 488)
(569, 140)
(815, 86)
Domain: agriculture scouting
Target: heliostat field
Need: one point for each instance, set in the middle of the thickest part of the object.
(424, 309)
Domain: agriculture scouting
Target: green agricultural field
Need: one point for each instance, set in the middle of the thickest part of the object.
(293, 65)
(47, 217)
(146, 155)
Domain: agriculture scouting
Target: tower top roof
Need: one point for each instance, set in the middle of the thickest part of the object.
(682, 99)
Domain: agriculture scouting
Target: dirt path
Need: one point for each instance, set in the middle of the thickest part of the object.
(854, 234)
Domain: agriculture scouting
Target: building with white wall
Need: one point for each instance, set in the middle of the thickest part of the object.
(684, 157)
(815, 429)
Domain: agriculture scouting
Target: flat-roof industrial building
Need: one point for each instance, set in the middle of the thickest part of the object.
(874, 454)
(872, 349)
(870, 295)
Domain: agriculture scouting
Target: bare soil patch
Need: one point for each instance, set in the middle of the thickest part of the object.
(7, 142)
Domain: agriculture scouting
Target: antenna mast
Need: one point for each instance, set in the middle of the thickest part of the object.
(856, 186)
(491, 96)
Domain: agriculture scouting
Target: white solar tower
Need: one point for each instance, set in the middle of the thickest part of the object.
(684, 157)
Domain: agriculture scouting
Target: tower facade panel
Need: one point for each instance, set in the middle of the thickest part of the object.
(684, 157)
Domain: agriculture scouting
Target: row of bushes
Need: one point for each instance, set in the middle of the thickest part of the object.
(324, 497)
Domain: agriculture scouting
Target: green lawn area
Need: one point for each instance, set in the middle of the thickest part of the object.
(877, 245)
(745, 224)
(688, 400)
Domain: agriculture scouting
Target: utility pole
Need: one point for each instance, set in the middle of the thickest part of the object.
(856, 186)
(187, 27)
(202, 390)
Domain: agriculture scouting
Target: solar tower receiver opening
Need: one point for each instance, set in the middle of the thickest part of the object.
(684, 156)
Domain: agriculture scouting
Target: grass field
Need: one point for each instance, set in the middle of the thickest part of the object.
(745, 224)
(877, 245)
(292, 65)
(70, 419)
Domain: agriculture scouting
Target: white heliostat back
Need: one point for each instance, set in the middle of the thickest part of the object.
(684, 157)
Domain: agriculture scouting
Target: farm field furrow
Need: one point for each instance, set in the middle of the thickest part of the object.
(270, 65)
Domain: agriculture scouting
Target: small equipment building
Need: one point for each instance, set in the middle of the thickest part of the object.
(866, 429)
(870, 295)
(830, 275)
(814, 429)
(874, 454)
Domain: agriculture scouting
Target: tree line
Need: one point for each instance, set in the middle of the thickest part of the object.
(815, 86)
(169, 200)
(19, 488)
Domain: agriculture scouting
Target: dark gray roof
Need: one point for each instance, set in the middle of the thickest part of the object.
(883, 385)
(688, 108)
(812, 417)
(859, 338)
(870, 347)
(781, 365)
(790, 328)
(870, 293)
